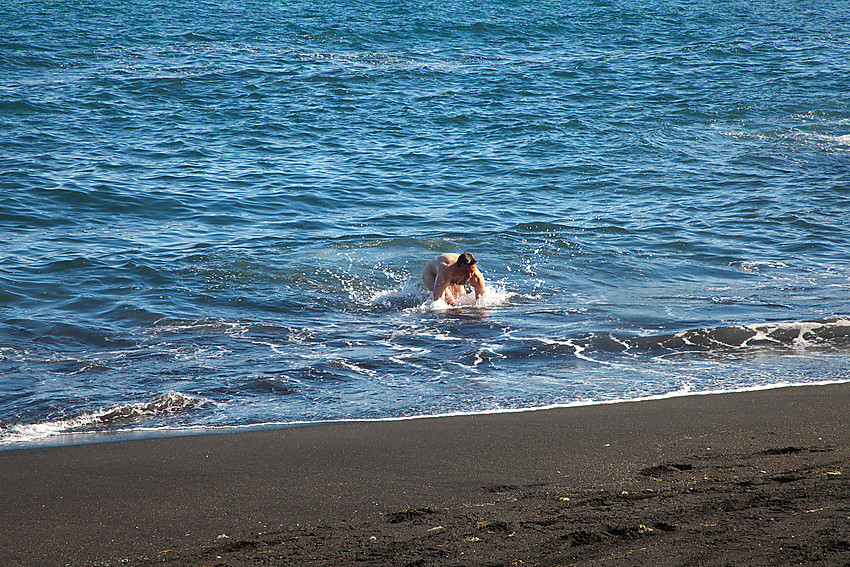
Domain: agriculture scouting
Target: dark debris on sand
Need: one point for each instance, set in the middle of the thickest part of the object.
(783, 506)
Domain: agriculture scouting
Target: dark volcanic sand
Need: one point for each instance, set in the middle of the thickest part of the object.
(757, 478)
(782, 506)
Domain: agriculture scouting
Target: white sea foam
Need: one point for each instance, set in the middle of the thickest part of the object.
(411, 291)
(798, 333)
(196, 325)
(757, 266)
(495, 297)
(840, 140)
(412, 295)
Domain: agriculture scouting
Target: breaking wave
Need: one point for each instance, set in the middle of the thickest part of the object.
(826, 333)
(165, 405)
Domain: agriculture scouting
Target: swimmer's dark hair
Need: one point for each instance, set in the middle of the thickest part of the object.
(466, 259)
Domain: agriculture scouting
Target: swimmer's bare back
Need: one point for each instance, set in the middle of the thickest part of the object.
(429, 276)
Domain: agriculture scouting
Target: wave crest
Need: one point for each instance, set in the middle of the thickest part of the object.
(824, 333)
(167, 404)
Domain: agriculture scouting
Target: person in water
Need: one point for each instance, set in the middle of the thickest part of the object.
(447, 276)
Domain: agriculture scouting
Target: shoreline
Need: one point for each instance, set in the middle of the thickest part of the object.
(120, 436)
(698, 478)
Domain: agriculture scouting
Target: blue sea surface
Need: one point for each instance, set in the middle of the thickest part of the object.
(216, 214)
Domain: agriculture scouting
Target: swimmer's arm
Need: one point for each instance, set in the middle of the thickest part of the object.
(477, 283)
(440, 286)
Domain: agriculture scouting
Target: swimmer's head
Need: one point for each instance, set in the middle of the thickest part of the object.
(466, 259)
(466, 262)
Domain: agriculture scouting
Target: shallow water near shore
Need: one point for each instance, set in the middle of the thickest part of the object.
(217, 216)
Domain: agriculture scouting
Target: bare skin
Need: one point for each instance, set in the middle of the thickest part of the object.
(447, 279)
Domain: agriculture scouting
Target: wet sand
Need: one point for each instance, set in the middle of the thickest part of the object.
(756, 478)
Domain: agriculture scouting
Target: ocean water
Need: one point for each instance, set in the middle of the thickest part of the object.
(216, 214)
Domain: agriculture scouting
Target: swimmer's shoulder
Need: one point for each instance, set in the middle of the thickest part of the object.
(447, 258)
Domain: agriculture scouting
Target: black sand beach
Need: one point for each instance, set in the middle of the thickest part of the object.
(756, 478)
